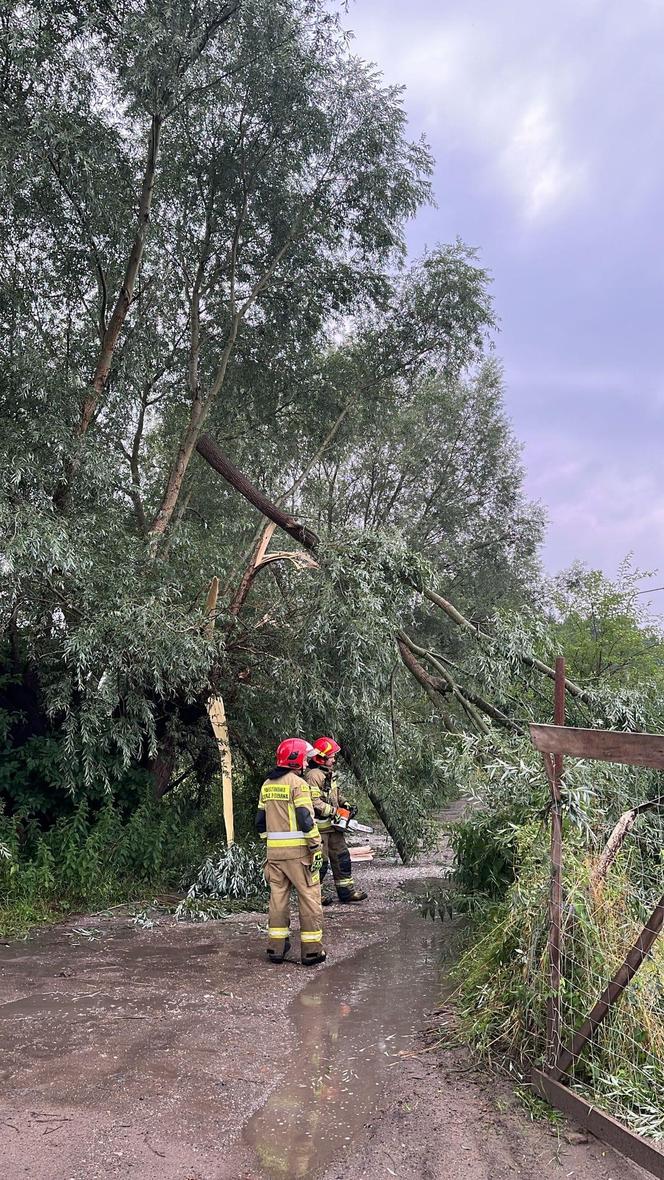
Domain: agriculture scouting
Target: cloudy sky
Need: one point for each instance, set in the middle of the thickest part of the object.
(547, 124)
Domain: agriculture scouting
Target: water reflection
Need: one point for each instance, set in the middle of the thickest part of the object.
(351, 1023)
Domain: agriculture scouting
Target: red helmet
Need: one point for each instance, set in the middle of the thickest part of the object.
(324, 746)
(292, 753)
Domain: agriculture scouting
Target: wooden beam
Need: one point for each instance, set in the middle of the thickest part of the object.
(641, 1151)
(632, 749)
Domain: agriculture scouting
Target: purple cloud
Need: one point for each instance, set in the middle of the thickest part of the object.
(548, 136)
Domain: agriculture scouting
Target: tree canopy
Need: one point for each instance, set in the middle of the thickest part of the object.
(204, 229)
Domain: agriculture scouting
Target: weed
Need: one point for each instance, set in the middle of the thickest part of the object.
(91, 860)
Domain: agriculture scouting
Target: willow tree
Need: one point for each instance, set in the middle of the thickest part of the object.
(195, 194)
(203, 230)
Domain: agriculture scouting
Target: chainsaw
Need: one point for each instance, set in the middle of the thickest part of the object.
(344, 820)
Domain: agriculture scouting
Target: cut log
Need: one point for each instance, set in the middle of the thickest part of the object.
(361, 852)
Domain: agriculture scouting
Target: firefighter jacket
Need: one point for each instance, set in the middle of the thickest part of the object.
(285, 818)
(324, 795)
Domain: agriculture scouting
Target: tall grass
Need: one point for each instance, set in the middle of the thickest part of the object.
(503, 976)
(89, 861)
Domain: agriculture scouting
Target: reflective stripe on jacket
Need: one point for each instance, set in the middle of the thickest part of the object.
(285, 818)
(320, 785)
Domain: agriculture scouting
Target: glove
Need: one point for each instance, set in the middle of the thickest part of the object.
(317, 861)
(353, 810)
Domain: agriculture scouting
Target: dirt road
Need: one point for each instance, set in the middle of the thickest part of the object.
(178, 1053)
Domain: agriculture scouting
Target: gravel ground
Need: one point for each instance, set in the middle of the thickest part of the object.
(163, 1054)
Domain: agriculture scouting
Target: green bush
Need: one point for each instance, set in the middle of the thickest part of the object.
(88, 861)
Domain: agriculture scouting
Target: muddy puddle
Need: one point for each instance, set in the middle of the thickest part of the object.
(351, 1024)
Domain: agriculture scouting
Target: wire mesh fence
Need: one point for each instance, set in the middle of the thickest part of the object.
(612, 907)
(605, 1026)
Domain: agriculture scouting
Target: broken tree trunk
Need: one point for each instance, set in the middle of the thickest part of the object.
(209, 450)
(251, 569)
(616, 840)
(260, 559)
(297, 484)
(217, 714)
(211, 607)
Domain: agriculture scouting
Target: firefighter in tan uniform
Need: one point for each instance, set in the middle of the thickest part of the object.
(325, 799)
(286, 821)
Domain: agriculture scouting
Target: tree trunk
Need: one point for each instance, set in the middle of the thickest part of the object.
(211, 608)
(126, 293)
(386, 819)
(617, 839)
(162, 767)
(379, 805)
(217, 715)
(178, 471)
(251, 570)
(213, 454)
(118, 316)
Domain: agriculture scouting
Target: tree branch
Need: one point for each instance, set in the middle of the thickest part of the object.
(451, 685)
(617, 838)
(531, 661)
(209, 451)
(122, 305)
(448, 681)
(426, 682)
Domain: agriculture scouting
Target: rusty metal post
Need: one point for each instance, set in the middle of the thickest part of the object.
(555, 899)
(612, 992)
(643, 1152)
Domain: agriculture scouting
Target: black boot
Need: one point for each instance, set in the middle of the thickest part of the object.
(314, 959)
(352, 896)
(275, 958)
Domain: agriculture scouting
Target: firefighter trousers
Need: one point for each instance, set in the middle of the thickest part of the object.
(336, 852)
(282, 876)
